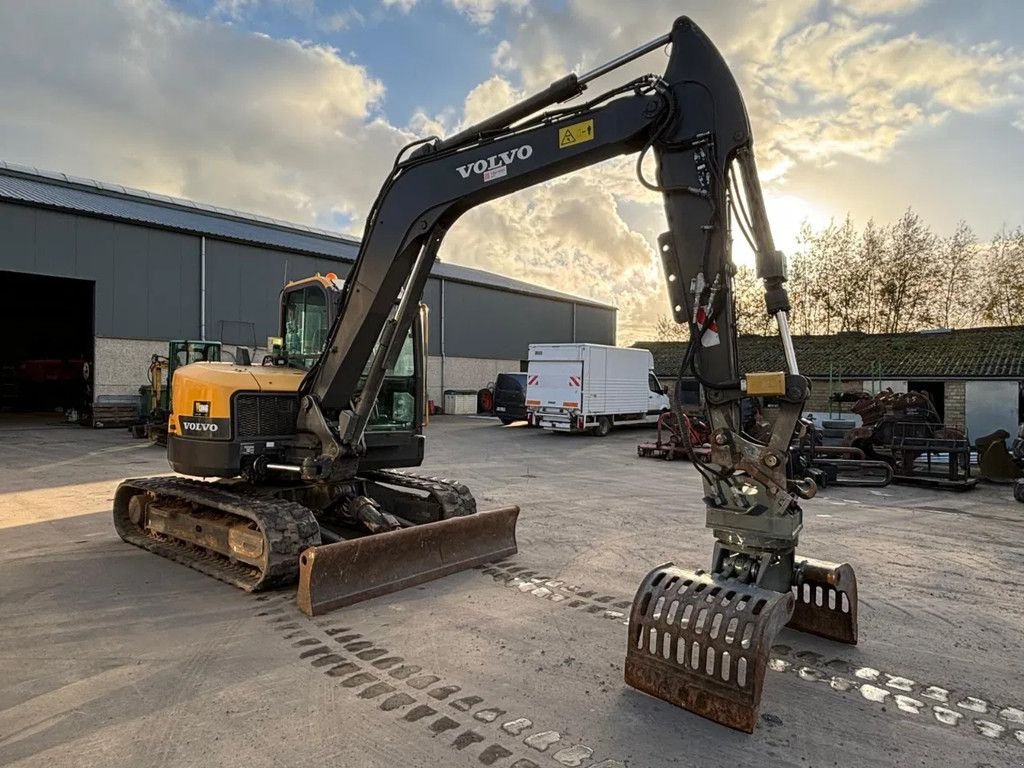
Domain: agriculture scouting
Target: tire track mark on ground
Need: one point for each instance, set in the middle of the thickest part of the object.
(949, 706)
(373, 673)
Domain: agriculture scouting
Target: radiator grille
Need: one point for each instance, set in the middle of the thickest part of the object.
(265, 415)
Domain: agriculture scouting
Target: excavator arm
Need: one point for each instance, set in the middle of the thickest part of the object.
(699, 639)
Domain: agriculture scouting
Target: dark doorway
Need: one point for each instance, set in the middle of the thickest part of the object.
(46, 358)
(936, 390)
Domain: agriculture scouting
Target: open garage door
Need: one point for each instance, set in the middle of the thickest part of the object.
(47, 351)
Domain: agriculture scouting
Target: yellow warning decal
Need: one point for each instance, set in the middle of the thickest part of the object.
(575, 134)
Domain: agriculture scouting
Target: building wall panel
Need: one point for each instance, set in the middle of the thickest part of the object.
(55, 244)
(595, 325)
(18, 244)
(131, 285)
(169, 310)
(432, 298)
(243, 285)
(147, 287)
(485, 323)
(94, 260)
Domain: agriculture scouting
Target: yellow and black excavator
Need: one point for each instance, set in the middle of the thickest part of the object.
(283, 499)
(309, 448)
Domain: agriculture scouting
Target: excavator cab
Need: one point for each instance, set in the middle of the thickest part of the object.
(393, 435)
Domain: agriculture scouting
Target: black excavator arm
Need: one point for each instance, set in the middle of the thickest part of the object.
(697, 639)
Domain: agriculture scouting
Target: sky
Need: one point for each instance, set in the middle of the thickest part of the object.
(295, 109)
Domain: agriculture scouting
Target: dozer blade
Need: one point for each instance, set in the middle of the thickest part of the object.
(702, 642)
(335, 575)
(826, 600)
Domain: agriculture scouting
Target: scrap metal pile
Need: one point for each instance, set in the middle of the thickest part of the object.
(905, 430)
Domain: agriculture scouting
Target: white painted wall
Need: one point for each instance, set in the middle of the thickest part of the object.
(991, 405)
(120, 365)
(463, 373)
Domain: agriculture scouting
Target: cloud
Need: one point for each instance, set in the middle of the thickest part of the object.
(314, 15)
(880, 7)
(233, 9)
(335, 22)
(819, 82)
(138, 93)
(403, 5)
(568, 235)
(482, 12)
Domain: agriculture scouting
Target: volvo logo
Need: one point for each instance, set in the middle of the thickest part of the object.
(495, 166)
(198, 426)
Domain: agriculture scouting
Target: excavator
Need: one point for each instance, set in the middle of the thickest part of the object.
(307, 454)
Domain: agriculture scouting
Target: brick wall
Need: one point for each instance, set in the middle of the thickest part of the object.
(955, 411)
(818, 401)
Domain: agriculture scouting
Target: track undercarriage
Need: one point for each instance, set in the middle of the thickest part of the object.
(259, 537)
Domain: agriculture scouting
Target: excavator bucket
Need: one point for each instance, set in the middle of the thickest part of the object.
(702, 642)
(335, 575)
(826, 601)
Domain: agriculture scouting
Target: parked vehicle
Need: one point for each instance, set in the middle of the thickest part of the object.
(510, 397)
(592, 387)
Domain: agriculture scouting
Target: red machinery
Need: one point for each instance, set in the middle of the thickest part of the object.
(672, 442)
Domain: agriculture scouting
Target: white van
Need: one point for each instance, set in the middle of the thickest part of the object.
(591, 387)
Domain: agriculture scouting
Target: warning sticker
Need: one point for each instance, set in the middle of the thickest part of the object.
(575, 134)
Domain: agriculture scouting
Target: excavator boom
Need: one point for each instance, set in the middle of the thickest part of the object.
(699, 639)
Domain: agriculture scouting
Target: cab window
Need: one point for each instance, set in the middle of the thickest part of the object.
(396, 405)
(305, 325)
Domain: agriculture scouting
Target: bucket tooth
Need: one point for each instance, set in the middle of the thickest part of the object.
(702, 642)
(335, 575)
(826, 600)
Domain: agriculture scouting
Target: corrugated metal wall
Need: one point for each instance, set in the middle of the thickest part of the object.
(147, 280)
(243, 283)
(485, 323)
(148, 287)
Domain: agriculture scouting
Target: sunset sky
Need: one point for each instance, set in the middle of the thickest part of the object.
(296, 108)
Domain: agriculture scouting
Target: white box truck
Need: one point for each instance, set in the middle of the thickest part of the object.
(591, 387)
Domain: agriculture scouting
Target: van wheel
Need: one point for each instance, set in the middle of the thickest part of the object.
(506, 421)
(604, 426)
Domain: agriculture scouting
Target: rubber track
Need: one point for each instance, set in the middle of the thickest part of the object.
(454, 498)
(288, 528)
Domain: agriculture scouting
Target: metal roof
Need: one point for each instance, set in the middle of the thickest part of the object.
(969, 353)
(32, 186)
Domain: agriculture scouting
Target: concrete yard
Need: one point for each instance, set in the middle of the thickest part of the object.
(110, 655)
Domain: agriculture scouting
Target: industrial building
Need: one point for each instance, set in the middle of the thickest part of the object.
(974, 376)
(95, 278)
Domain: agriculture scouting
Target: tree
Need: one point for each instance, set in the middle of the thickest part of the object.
(906, 278)
(887, 279)
(667, 329)
(868, 260)
(748, 296)
(957, 275)
(1003, 283)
